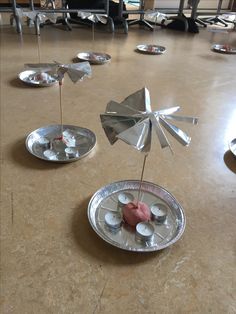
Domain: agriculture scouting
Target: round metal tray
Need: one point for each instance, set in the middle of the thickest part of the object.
(224, 49)
(28, 78)
(106, 200)
(80, 140)
(94, 57)
(151, 49)
(232, 147)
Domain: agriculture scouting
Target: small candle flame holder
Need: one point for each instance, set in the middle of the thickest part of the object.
(144, 232)
(71, 152)
(124, 198)
(113, 221)
(158, 212)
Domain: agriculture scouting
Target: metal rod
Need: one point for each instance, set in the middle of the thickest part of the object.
(39, 52)
(61, 112)
(141, 180)
(93, 34)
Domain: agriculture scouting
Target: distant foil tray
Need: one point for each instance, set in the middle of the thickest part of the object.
(227, 49)
(37, 78)
(47, 143)
(94, 57)
(151, 49)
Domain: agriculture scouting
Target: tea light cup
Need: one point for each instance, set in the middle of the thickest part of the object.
(71, 152)
(50, 154)
(144, 231)
(125, 198)
(44, 142)
(113, 220)
(158, 212)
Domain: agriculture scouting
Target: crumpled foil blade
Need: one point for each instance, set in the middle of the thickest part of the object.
(93, 17)
(155, 16)
(75, 71)
(43, 17)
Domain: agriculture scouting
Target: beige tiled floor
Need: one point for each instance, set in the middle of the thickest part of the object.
(51, 259)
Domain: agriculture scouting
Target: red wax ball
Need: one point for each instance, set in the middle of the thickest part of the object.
(134, 213)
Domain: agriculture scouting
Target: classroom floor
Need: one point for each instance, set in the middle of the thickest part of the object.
(51, 259)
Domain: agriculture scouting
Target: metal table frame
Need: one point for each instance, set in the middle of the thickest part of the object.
(140, 12)
(62, 10)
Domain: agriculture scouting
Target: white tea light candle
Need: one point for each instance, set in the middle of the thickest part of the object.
(71, 152)
(113, 220)
(44, 142)
(125, 198)
(159, 212)
(145, 231)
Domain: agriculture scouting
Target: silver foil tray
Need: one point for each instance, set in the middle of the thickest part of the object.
(166, 233)
(227, 49)
(79, 139)
(151, 49)
(30, 77)
(94, 57)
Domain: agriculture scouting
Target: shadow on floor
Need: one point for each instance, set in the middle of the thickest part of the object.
(22, 157)
(89, 241)
(230, 161)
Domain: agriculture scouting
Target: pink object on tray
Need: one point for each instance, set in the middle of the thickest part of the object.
(134, 213)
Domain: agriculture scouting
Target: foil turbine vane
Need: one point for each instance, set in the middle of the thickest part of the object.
(75, 71)
(34, 15)
(133, 121)
(95, 18)
(156, 16)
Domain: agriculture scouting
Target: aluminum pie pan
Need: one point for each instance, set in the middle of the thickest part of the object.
(28, 78)
(82, 143)
(151, 49)
(227, 49)
(94, 57)
(232, 147)
(170, 231)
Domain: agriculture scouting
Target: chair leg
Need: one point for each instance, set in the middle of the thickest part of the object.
(141, 22)
(199, 21)
(215, 20)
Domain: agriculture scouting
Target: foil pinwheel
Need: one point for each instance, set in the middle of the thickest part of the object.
(95, 18)
(155, 16)
(75, 71)
(133, 122)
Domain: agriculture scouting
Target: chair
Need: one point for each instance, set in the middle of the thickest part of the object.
(217, 19)
(140, 21)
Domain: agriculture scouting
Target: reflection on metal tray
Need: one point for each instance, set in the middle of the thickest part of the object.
(224, 49)
(151, 49)
(232, 147)
(94, 57)
(166, 233)
(35, 78)
(47, 143)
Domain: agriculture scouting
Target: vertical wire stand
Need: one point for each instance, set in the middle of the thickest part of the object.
(61, 112)
(38, 44)
(141, 180)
